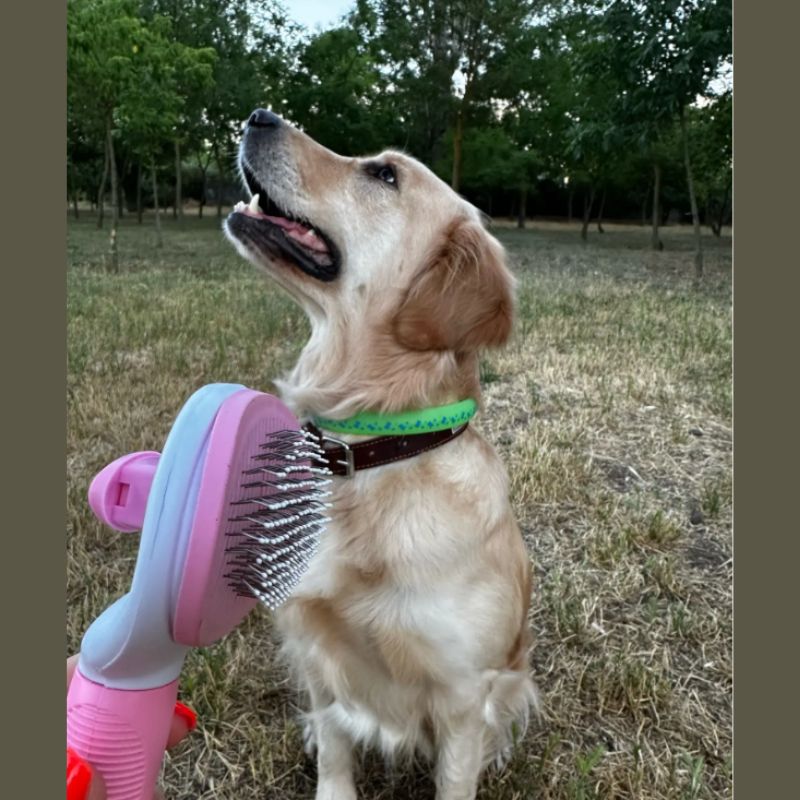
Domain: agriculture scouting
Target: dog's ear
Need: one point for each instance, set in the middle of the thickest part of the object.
(462, 299)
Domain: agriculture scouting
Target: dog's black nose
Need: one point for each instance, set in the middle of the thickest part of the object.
(261, 118)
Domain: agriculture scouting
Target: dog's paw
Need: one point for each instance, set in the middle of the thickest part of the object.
(309, 739)
(502, 758)
(336, 790)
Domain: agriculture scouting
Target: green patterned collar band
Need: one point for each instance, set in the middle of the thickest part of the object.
(426, 420)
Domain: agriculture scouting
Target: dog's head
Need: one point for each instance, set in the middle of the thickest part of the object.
(378, 239)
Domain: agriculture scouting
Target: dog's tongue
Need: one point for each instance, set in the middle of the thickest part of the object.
(304, 236)
(294, 230)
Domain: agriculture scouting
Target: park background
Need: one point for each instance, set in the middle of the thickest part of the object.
(597, 136)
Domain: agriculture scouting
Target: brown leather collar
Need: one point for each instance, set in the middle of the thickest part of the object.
(345, 459)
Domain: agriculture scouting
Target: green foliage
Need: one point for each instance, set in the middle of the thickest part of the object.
(710, 141)
(336, 93)
(129, 73)
(103, 39)
(441, 57)
(167, 72)
(661, 54)
(510, 95)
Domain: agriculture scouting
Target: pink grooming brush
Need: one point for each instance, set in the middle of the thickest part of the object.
(230, 514)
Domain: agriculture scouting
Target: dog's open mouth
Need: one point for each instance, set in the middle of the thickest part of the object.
(279, 233)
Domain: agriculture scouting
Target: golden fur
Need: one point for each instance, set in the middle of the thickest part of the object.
(409, 630)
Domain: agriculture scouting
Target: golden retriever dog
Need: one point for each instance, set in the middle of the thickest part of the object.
(409, 630)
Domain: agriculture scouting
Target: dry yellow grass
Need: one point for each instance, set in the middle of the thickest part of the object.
(612, 410)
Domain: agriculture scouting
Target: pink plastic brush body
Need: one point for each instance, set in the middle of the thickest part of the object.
(122, 696)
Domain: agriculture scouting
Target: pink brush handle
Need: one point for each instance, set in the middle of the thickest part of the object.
(121, 733)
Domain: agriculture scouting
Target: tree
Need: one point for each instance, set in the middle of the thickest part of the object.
(667, 53)
(484, 30)
(525, 162)
(709, 128)
(492, 158)
(82, 160)
(595, 135)
(102, 37)
(125, 77)
(151, 107)
(252, 41)
(411, 41)
(337, 93)
(252, 46)
(439, 57)
(506, 100)
(557, 109)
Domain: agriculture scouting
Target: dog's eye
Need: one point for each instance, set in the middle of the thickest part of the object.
(383, 172)
(386, 174)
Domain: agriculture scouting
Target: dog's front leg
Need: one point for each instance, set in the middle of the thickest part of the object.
(334, 762)
(334, 750)
(459, 756)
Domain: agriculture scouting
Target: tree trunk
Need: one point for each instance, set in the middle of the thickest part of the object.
(458, 138)
(204, 184)
(698, 237)
(139, 192)
(121, 191)
(159, 240)
(588, 202)
(600, 212)
(710, 217)
(220, 179)
(654, 239)
(178, 182)
(72, 187)
(523, 206)
(723, 208)
(644, 207)
(102, 190)
(114, 198)
(569, 204)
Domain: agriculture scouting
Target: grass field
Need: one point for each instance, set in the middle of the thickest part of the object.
(612, 410)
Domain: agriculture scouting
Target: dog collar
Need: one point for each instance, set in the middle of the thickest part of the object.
(426, 420)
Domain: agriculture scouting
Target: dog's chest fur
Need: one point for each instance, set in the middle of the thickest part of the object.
(403, 596)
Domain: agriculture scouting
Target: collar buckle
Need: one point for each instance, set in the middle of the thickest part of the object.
(349, 463)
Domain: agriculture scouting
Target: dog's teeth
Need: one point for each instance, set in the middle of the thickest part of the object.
(240, 206)
(253, 207)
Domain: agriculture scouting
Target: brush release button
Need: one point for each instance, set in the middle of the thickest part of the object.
(118, 494)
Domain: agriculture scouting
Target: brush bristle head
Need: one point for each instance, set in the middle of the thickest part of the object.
(261, 496)
(275, 527)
